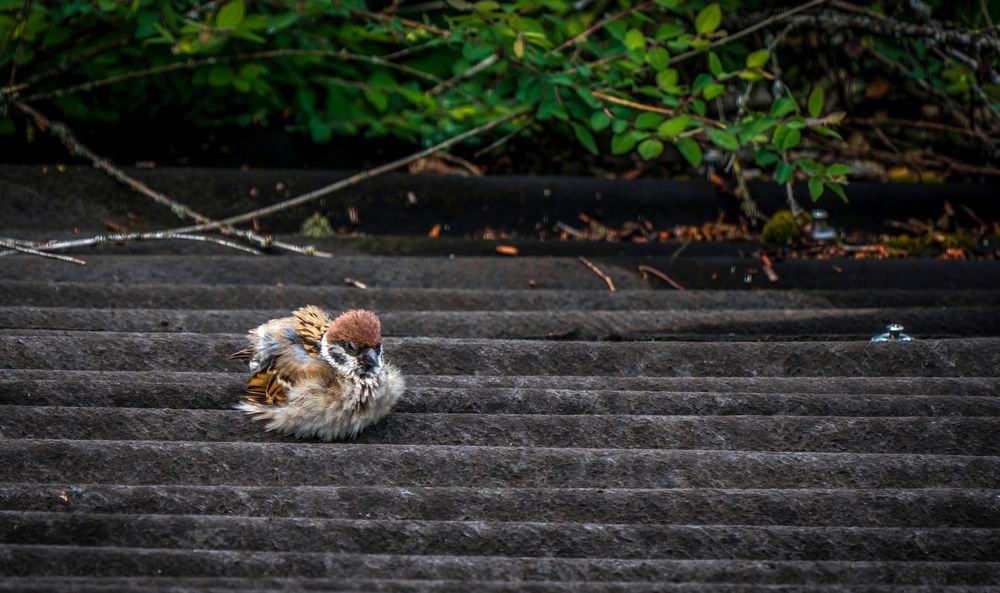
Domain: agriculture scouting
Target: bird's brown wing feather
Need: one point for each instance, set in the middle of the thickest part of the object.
(310, 324)
(264, 388)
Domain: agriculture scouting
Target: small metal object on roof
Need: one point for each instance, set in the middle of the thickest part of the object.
(821, 229)
(893, 333)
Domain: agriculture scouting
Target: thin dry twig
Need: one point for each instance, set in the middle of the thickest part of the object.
(601, 24)
(130, 237)
(646, 270)
(355, 283)
(211, 61)
(28, 250)
(353, 179)
(66, 136)
(660, 110)
(748, 31)
(600, 273)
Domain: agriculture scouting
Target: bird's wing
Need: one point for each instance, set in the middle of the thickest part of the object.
(288, 351)
(265, 388)
(310, 325)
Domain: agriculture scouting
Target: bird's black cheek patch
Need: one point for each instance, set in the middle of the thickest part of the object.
(339, 357)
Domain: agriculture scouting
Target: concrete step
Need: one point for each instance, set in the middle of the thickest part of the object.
(716, 324)
(309, 464)
(940, 436)
(471, 538)
(286, 297)
(138, 381)
(218, 585)
(490, 273)
(208, 352)
(220, 391)
(63, 561)
(679, 506)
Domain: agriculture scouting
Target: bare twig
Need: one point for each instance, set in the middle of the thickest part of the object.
(469, 73)
(28, 250)
(677, 253)
(353, 179)
(211, 61)
(405, 22)
(502, 140)
(646, 270)
(748, 31)
(600, 273)
(355, 283)
(660, 110)
(130, 237)
(66, 136)
(718, 43)
(601, 24)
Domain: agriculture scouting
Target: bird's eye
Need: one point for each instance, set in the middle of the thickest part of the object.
(351, 347)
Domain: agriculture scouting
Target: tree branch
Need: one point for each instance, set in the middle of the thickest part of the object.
(30, 251)
(66, 136)
(353, 179)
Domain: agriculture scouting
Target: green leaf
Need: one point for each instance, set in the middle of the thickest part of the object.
(320, 132)
(623, 143)
(585, 137)
(648, 121)
(815, 188)
(650, 149)
(783, 172)
(667, 31)
(708, 19)
(783, 107)
(766, 158)
(230, 15)
(791, 139)
(634, 39)
(673, 126)
(715, 65)
(700, 82)
(667, 80)
(837, 189)
(758, 58)
(723, 139)
(551, 107)
(619, 125)
(658, 58)
(811, 167)
(713, 90)
(839, 169)
(669, 3)
(220, 75)
(816, 102)
(599, 121)
(7, 127)
(690, 150)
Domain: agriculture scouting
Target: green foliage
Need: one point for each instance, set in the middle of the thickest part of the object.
(783, 228)
(627, 86)
(317, 226)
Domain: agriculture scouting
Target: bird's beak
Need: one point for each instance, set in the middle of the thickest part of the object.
(368, 358)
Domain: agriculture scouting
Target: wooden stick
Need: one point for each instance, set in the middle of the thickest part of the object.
(211, 61)
(20, 248)
(128, 237)
(644, 270)
(600, 273)
(353, 179)
(66, 136)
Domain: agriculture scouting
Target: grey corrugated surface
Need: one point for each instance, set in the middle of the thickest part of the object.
(759, 444)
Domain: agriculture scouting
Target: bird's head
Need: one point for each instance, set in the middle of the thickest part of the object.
(353, 344)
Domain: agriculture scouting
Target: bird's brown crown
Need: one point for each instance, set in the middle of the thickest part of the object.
(358, 326)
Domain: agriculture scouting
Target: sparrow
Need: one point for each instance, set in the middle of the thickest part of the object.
(315, 376)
